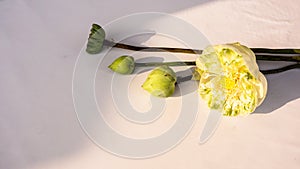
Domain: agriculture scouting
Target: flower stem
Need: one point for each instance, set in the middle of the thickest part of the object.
(282, 69)
(258, 57)
(292, 55)
(181, 79)
(278, 58)
(276, 51)
(191, 63)
(151, 49)
(154, 64)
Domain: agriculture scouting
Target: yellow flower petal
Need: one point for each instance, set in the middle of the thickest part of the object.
(230, 79)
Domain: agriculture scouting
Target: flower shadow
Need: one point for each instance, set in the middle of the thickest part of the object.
(282, 88)
(139, 70)
(186, 86)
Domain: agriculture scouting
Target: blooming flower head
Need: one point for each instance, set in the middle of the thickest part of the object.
(230, 79)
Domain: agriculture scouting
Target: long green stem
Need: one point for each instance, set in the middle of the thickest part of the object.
(181, 79)
(278, 58)
(155, 64)
(152, 49)
(282, 69)
(97, 40)
(271, 71)
(276, 51)
(292, 55)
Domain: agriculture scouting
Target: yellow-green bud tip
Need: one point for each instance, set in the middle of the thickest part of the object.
(160, 82)
(123, 65)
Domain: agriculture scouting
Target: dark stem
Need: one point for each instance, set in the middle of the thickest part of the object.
(191, 63)
(181, 79)
(282, 69)
(276, 51)
(292, 55)
(151, 49)
(278, 58)
(154, 64)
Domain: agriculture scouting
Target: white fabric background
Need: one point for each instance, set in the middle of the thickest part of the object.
(39, 44)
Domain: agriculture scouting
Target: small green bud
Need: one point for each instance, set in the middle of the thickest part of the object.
(161, 82)
(123, 65)
(95, 40)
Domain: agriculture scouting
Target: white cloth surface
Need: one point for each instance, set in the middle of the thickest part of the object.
(39, 44)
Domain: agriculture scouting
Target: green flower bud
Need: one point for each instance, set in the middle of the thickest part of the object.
(95, 40)
(161, 82)
(123, 65)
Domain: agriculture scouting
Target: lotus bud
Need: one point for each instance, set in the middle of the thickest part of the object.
(123, 65)
(161, 82)
(95, 40)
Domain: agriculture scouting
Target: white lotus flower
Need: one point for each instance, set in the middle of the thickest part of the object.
(230, 79)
